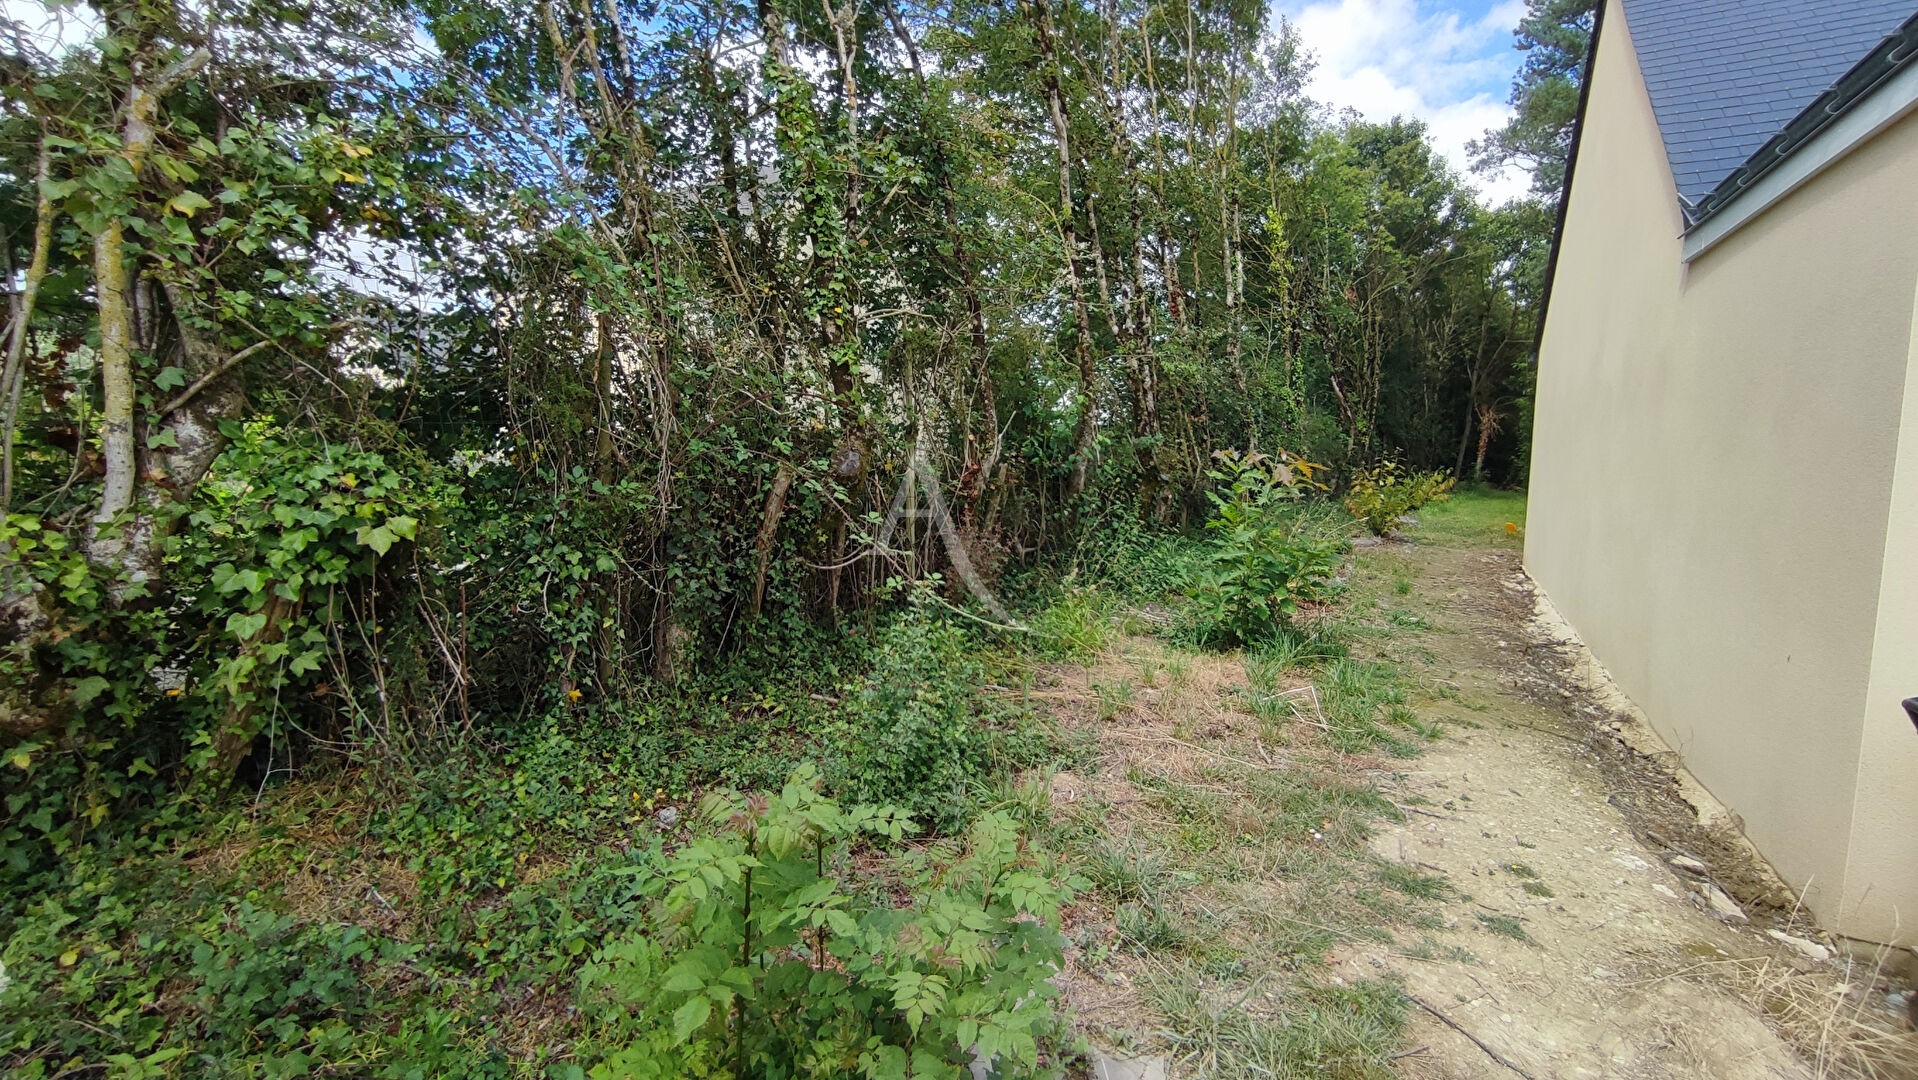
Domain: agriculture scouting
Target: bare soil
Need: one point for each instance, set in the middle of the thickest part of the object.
(1568, 931)
(1578, 941)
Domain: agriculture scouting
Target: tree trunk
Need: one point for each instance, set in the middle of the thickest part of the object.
(1086, 431)
(127, 548)
(13, 373)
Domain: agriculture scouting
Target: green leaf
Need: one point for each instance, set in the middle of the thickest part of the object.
(188, 202)
(237, 581)
(689, 1017)
(169, 377)
(89, 688)
(380, 538)
(244, 626)
(403, 526)
(684, 978)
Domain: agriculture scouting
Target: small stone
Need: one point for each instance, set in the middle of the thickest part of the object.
(1109, 1067)
(1689, 865)
(1720, 904)
(1367, 541)
(667, 817)
(1663, 889)
(1810, 950)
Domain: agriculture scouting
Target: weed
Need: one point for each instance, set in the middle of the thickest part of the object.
(1076, 625)
(1504, 926)
(914, 730)
(1122, 871)
(1409, 881)
(1297, 648)
(1538, 888)
(773, 952)
(1359, 697)
(1307, 1030)
(1114, 698)
(1382, 495)
(1260, 567)
(1149, 674)
(1146, 928)
(1406, 620)
(1178, 672)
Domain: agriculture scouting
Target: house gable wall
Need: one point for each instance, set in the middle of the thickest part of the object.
(1712, 467)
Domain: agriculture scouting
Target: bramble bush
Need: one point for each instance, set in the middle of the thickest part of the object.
(918, 731)
(776, 959)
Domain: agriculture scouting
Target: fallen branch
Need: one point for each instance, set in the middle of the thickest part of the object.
(1476, 1041)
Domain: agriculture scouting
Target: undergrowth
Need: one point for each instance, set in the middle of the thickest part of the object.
(437, 917)
(522, 904)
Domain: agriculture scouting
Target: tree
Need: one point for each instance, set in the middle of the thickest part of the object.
(1554, 36)
(700, 281)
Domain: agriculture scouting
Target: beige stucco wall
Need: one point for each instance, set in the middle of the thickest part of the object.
(1881, 879)
(1712, 477)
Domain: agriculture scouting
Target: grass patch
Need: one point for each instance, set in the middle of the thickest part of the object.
(1411, 882)
(1222, 873)
(1504, 926)
(1475, 518)
(1307, 1030)
(1364, 700)
(1076, 625)
(1227, 853)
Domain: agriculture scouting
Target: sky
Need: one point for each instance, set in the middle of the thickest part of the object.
(1447, 62)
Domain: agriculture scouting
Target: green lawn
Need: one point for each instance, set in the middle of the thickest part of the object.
(1479, 516)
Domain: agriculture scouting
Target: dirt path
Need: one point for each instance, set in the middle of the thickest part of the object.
(1550, 903)
(1580, 938)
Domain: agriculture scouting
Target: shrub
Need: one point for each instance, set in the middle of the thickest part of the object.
(1381, 495)
(1262, 563)
(778, 962)
(914, 735)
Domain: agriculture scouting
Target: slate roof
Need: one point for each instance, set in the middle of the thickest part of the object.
(1727, 75)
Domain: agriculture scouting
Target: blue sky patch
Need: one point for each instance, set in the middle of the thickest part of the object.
(1447, 62)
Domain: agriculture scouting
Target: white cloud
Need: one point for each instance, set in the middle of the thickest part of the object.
(54, 28)
(1421, 58)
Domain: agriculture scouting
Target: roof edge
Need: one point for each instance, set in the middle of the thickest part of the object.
(1895, 99)
(1886, 60)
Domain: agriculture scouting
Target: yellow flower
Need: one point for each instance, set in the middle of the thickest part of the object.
(174, 691)
(572, 695)
(1511, 528)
